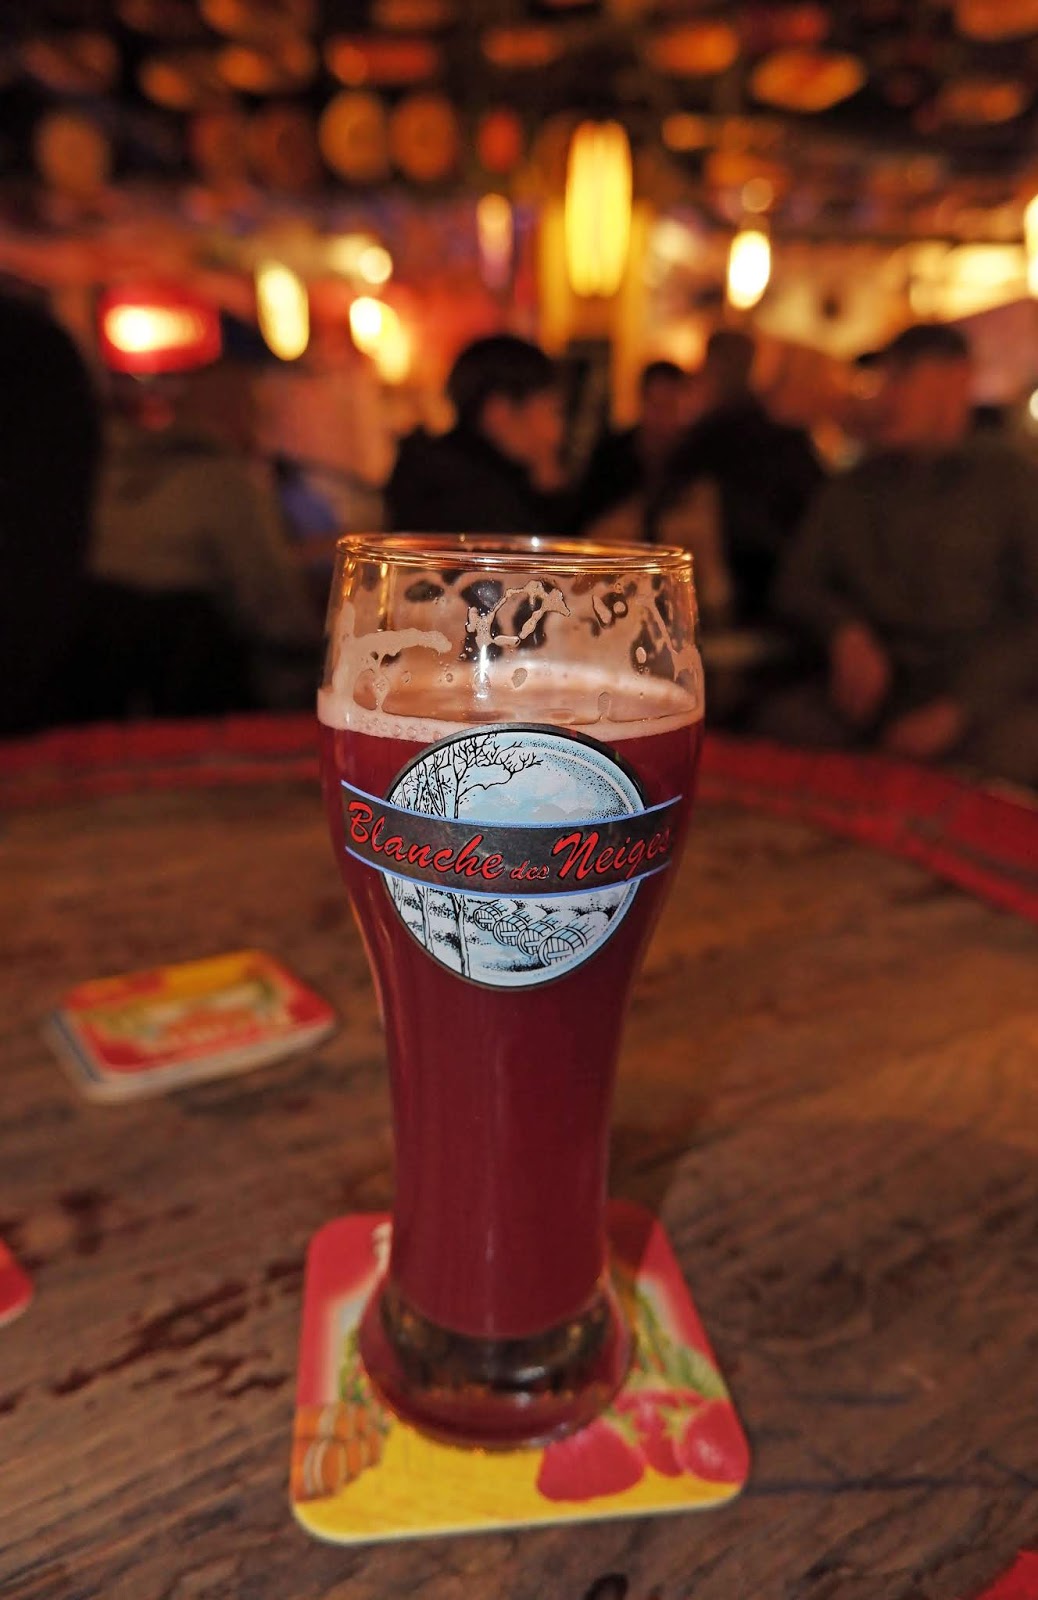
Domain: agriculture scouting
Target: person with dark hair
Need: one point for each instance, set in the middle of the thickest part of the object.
(762, 474)
(49, 450)
(625, 466)
(917, 575)
(497, 471)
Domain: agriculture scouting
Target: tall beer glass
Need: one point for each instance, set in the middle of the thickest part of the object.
(510, 733)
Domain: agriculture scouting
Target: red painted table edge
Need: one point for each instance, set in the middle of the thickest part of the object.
(983, 839)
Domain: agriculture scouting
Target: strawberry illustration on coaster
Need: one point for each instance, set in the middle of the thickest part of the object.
(603, 1458)
(673, 1415)
(669, 1442)
(712, 1446)
(658, 1417)
(15, 1287)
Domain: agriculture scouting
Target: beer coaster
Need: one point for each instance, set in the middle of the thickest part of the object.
(146, 1033)
(15, 1287)
(671, 1440)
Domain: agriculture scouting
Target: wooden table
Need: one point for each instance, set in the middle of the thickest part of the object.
(828, 1090)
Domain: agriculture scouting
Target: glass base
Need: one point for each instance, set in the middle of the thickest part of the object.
(494, 1392)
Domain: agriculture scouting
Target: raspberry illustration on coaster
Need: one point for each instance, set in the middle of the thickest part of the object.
(15, 1287)
(670, 1441)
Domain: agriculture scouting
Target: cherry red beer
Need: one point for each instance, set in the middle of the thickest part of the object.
(506, 875)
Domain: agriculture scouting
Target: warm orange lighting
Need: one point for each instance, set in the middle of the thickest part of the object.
(749, 268)
(599, 184)
(375, 265)
(758, 194)
(684, 131)
(282, 310)
(495, 231)
(1031, 244)
(367, 319)
(157, 328)
(393, 356)
(378, 332)
(136, 329)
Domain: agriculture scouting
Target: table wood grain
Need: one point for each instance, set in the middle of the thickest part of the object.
(827, 1091)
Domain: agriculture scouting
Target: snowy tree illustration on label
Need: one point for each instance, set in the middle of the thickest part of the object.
(514, 784)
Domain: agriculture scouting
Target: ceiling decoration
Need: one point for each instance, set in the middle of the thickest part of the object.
(880, 117)
(807, 80)
(693, 49)
(283, 67)
(353, 135)
(413, 15)
(74, 63)
(385, 62)
(425, 137)
(523, 49)
(991, 21)
(500, 140)
(182, 80)
(259, 20)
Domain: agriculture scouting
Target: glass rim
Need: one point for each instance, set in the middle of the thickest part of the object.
(514, 552)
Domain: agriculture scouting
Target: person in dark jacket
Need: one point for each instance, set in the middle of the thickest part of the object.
(497, 471)
(916, 574)
(627, 465)
(764, 473)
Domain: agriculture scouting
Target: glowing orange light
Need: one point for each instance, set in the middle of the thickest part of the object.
(378, 332)
(283, 310)
(1031, 243)
(749, 268)
(155, 329)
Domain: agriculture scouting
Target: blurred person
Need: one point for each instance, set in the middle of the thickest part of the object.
(49, 451)
(917, 574)
(626, 465)
(196, 603)
(762, 472)
(498, 470)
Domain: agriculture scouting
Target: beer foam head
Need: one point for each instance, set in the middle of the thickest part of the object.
(418, 652)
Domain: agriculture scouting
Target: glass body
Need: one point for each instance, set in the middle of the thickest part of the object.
(490, 702)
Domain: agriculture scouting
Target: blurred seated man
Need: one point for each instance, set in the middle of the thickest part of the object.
(917, 574)
(626, 466)
(498, 470)
(197, 604)
(762, 472)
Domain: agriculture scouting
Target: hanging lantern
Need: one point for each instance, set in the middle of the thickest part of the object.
(152, 328)
(282, 310)
(749, 268)
(599, 182)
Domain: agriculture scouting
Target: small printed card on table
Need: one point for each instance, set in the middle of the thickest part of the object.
(146, 1033)
(669, 1442)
